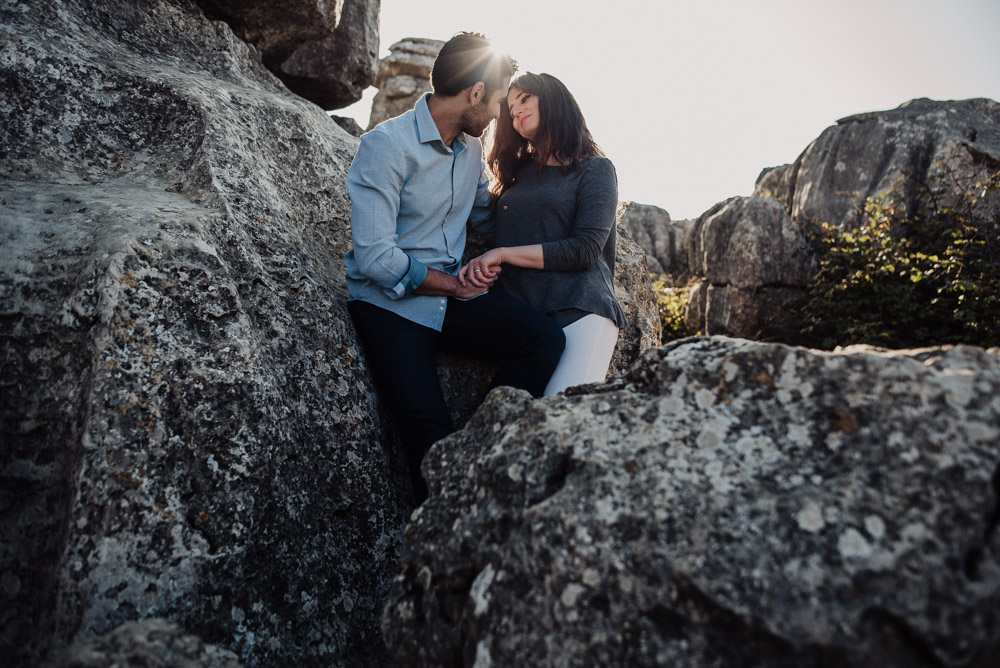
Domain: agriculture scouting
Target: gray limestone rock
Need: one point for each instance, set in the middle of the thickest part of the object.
(403, 76)
(665, 241)
(151, 643)
(726, 503)
(334, 71)
(189, 429)
(866, 154)
(754, 264)
(324, 50)
(275, 29)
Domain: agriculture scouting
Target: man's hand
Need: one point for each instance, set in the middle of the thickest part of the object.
(438, 283)
(483, 271)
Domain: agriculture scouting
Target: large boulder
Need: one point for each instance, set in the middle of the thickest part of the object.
(403, 77)
(753, 265)
(867, 154)
(919, 146)
(727, 503)
(665, 241)
(324, 50)
(151, 643)
(189, 429)
(334, 71)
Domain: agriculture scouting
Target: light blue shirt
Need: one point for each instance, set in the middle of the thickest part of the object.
(411, 198)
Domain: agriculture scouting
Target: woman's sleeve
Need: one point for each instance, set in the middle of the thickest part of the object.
(596, 205)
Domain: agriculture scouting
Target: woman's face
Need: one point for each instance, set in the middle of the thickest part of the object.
(523, 112)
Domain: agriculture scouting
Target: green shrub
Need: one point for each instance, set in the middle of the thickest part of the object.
(923, 267)
(671, 302)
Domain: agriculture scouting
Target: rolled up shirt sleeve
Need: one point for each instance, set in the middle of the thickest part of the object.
(374, 184)
(414, 276)
(597, 203)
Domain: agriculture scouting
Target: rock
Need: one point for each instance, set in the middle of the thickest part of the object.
(634, 291)
(152, 643)
(276, 29)
(665, 241)
(334, 71)
(754, 264)
(403, 77)
(324, 50)
(866, 154)
(756, 281)
(727, 503)
(189, 427)
(348, 124)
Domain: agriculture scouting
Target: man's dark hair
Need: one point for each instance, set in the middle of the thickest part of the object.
(466, 58)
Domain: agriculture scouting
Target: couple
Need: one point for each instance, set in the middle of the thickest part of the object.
(551, 319)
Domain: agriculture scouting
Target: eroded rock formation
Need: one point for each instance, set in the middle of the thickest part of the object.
(754, 264)
(860, 157)
(727, 503)
(152, 642)
(324, 50)
(189, 430)
(664, 241)
(867, 154)
(403, 76)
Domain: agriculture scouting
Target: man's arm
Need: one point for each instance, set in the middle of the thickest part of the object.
(374, 183)
(439, 284)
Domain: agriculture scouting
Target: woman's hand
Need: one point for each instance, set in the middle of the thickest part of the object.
(483, 271)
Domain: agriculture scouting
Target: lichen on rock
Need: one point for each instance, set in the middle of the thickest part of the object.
(725, 503)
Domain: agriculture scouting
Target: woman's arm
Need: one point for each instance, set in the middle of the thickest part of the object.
(596, 205)
(483, 270)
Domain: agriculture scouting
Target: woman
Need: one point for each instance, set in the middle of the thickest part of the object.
(556, 198)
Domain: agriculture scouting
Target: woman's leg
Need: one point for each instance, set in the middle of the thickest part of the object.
(590, 343)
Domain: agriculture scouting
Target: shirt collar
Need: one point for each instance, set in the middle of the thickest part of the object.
(427, 130)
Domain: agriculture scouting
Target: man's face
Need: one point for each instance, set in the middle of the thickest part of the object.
(476, 119)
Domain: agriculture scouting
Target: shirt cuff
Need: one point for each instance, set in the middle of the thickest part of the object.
(410, 281)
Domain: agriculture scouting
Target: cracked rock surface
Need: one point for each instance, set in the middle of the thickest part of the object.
(725, 503)
(189, 429)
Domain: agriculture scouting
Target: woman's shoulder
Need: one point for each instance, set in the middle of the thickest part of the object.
(598, 166)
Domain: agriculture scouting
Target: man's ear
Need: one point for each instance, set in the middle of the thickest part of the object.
(477, 93)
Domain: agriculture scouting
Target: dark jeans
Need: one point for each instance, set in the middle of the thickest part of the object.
(401, 357)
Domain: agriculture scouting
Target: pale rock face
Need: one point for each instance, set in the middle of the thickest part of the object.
(866, 154)
(753, 261)
(403, 77)
(725, 503)
(756, 264)
(665, 241)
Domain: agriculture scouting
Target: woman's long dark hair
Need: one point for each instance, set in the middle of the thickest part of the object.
(562, 132)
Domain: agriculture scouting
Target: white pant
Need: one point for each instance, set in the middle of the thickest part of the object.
(590, 343)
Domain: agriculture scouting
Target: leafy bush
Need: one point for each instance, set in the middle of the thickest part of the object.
(923, 267)
(671, 303)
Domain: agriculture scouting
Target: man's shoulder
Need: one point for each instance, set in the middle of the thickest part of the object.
(394, 128)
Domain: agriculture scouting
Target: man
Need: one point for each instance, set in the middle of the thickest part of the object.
(415, 182)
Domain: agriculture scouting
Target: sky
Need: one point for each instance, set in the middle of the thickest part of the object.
(692, 99)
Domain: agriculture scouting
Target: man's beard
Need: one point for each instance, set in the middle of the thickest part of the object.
(476, 120)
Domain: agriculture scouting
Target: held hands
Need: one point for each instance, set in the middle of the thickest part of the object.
(483, 271)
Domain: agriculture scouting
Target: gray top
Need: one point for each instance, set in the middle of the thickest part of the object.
(572, 216)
